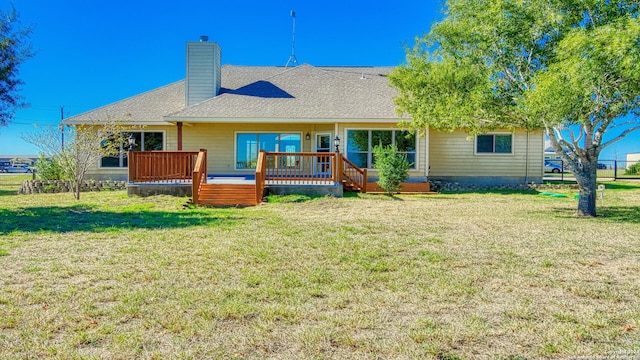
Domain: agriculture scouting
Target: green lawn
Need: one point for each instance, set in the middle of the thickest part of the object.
(449, 276)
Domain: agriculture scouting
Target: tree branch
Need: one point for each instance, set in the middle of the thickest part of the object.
(622, 135)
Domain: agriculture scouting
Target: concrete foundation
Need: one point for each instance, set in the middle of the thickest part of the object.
(145, 190)
(309, 190)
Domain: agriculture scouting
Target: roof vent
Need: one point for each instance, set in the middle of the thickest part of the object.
(204, 38)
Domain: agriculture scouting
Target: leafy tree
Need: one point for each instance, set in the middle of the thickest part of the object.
(568, 67)
(14, 50)
(84, 146)
(393, 168)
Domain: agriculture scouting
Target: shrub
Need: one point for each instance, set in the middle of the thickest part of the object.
(633, 169)
(49, 169)
(393, 168)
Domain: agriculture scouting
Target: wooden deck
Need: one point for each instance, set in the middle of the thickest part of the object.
(272, 168)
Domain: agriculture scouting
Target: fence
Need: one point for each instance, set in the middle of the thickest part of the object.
(607, 169)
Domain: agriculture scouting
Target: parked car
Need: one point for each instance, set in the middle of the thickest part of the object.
(552, 167)
(602, 166)
(18, 168)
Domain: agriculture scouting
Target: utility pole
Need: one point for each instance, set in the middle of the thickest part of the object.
(61, 127)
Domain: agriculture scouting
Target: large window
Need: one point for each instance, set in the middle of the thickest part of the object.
(248, 145)
(360, 144)
(494, 144)
(145, 141)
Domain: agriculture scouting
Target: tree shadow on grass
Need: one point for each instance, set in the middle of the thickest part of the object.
(496, 192)
(620, 213)
(627, 214)
(8, 192)
(62, 219)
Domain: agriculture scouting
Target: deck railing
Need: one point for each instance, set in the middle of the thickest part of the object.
(199, 175)
(284, 168)
(161, 166)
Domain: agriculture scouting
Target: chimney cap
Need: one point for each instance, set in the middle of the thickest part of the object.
(204, 38)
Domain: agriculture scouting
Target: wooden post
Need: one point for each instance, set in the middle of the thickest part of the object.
(206, 174)
(179, 124)
(130, 165)
(338, 167)
(364, 181)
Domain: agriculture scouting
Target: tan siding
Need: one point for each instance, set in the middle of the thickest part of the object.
(421, 155)
(219, 140)
(95, 172)
(452, 154)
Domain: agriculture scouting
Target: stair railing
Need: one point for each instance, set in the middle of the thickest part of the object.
(353, 175)
(261, 166)
(199, 175)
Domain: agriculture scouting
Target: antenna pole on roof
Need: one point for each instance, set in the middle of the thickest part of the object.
(292, 59)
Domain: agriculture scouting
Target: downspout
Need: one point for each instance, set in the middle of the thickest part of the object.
(427, 138)
(526, 162)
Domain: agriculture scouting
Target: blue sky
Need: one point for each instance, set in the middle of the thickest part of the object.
(92, 53)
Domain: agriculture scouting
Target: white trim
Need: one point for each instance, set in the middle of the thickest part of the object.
(206, 120)
(345, 145)
(513, 140)
(314, 145)
(235, 144)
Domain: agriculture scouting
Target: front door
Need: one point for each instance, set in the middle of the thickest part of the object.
(323, 144)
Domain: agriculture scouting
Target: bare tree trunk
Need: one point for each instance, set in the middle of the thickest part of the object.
(587, 181)
(76, 189)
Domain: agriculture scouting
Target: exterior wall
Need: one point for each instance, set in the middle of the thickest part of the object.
(453, 158)
(633, 157)
(418, 174)
(219, 140)
(96, 172)
(439, 156)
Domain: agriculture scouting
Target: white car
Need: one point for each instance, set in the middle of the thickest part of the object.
(552, 167)
(18, 168)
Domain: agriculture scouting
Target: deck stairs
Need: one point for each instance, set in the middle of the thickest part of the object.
(227, 194)
(251, 193)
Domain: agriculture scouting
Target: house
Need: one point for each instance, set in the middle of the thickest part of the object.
(234, 112)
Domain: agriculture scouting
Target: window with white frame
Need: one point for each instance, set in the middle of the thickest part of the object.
(248, 145)
(145, 141)
(494, 144)
(360, 144)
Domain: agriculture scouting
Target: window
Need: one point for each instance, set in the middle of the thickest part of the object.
(360, 144)
(145, 141)
(494, 144)
(248, 145)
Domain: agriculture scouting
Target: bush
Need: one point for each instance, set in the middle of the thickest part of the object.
(393, 168)
(633, 169)
(49, 169)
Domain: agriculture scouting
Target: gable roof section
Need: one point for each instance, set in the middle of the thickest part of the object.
(265, 93)
(147, 108)
(302, 92)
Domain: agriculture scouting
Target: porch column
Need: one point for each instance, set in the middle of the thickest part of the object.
(179, 124)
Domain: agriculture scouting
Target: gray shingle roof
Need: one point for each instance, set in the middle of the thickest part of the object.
(148, 107)
(268, 93)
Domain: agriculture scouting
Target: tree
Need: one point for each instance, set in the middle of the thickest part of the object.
(562, 66)
(84, 146)
(14, 50)
(393, 168)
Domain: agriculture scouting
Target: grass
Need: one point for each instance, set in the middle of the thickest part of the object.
(450, 276)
